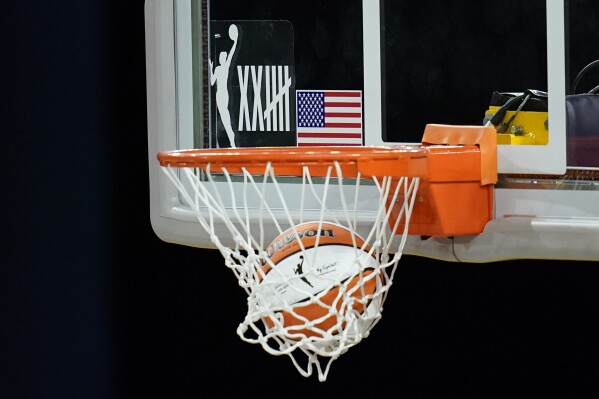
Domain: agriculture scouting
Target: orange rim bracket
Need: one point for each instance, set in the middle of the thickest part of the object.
(485, 137)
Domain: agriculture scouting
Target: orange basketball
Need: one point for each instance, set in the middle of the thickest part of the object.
(331, 268)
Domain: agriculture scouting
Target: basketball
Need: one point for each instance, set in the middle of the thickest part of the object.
(233, 32)
(315, 275)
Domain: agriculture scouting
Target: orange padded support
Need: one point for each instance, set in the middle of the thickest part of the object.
(455, 196)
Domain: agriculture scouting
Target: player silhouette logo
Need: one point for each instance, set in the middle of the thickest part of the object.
(299, 271)
(220, 77)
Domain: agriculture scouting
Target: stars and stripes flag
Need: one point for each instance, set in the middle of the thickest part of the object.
(329, 117)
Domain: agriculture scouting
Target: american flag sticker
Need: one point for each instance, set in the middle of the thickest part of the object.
(329, 117)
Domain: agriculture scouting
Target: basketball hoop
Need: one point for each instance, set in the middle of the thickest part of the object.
(316, 278)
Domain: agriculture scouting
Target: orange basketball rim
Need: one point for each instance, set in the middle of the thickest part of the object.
(456, 165)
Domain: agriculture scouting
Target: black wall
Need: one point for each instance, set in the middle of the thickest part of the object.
(94, 305)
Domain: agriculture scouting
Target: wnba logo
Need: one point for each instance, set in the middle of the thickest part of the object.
(253, 84)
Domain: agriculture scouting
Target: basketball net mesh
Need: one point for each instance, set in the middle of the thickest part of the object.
(354, 310)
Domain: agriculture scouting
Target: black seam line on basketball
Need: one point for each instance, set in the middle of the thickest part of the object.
(341, 282)
(319, 245)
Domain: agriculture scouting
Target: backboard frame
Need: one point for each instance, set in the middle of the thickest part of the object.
(542, 159)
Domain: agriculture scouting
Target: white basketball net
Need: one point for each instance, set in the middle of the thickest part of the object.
(242, 222)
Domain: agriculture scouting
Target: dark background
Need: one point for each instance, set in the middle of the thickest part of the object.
(430, 78)
(94, 305)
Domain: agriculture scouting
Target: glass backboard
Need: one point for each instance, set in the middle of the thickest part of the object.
(246, 73)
